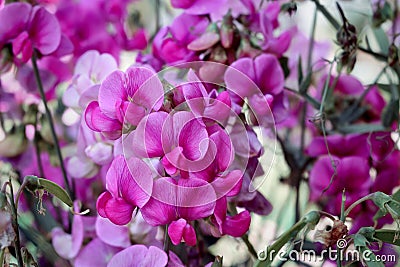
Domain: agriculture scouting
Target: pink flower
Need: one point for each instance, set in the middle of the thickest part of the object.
(139, 255)
(211, 107)
(172, 202)
(68, 245)
(124, 98)
(261, 81)
(95, 253)
(236, 225)
(129, 185)
(29, 28)
(352, 174)
(90, 70)
(170, 43)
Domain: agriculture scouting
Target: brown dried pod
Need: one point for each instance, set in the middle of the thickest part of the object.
(332, 234)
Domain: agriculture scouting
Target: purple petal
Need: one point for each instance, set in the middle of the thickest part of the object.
(118, 211)
(96, 253)
(160, 210)
(269, 74)
(44, 30)
(241, 77)
(193, 208)
(112, 91)
(189, 235)
(99, 122)
(139, 255)
(111, 234)
(155, 257)
(237, 225)
(137, 185)
(175, 231)
(145, 88)
(147, 136)
(14, 19)
(228, 185)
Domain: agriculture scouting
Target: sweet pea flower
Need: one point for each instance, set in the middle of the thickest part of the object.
(124, 98)
(213, 106)
(172, 202)
(339, 145)
(69, 245)
(352, 174)
(91, 30)
(261, 81)
(170, 43)
(139, 255)
(129, 185)
(112, 234)
(95, 253)
(28, 28)
(90, 70)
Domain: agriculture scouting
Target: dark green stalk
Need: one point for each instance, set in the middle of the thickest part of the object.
(50, 119)
(17, 241)
(311, 218)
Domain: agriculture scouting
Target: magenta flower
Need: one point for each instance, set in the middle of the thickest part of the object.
(236, 225)
(212, 107)
(68, 245)
(352, 174)
(28, 28)
(170, 43)
(180, 138)
(129, 185)
(95, 253)
(339, 145)
(90, 70)
(172, 202)
(124, 98)
(261, 81)
(139, 255)
(91, 30)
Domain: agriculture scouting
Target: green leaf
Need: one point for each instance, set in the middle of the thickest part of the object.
(396, 195)
(56, 191)
(217, 262)
(369, 257)
(360, 128)
(380, 199)
(388, 236)
(309, 220)
(382, 39)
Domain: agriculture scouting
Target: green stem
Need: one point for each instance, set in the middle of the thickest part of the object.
(336, 25)
(50, 119)
(37, 148)
(17, 241)
(352, 206)
(310, 218)
(245, 237)
(166, 240)
(327, 15)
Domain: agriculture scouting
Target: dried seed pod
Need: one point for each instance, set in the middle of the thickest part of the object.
(331, 234)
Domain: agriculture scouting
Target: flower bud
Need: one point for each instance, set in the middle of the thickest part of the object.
(227, 31)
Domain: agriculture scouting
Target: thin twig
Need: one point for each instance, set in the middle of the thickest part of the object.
(50, 119)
